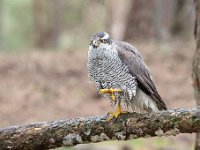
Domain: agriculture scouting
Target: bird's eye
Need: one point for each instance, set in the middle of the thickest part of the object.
(101, 40)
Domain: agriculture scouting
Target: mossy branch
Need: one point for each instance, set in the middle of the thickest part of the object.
(96, 129)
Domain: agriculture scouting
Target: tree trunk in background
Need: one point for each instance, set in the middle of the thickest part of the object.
(141, 19)
(1, 23)
(117, 17)
(196, 64)
(47, 22)
(162, 18)
(183, 19)
(139, 23)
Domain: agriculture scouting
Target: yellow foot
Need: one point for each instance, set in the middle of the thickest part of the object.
(115, 114)
(110, 91)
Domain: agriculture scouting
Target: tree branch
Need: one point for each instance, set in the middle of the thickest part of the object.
(96, 129)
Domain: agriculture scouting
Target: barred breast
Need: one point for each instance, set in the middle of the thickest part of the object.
(106, 69)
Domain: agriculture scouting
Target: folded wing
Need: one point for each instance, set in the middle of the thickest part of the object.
(132, 58)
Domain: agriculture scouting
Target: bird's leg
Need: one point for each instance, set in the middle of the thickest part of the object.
(110, 91)
(118, 110)
(116, 113)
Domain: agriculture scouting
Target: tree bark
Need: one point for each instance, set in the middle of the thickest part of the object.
(71, 132)
(196, 64)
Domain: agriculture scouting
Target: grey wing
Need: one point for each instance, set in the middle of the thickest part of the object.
(132, 58)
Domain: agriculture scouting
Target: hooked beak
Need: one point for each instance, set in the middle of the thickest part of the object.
(94, 43)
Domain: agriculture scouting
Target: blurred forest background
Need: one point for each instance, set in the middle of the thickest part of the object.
(43, 54)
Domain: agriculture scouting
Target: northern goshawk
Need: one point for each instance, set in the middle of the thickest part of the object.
(121, 75)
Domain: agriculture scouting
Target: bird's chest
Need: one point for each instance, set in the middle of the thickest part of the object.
(103, 67)
(108, 70)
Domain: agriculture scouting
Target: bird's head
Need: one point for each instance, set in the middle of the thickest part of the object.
(100, 39)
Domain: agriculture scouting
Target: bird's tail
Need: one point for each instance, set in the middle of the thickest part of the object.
(142, 102)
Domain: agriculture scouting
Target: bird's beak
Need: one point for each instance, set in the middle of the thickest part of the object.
(94, 43)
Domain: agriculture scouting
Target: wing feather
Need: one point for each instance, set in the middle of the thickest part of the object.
(132, 58)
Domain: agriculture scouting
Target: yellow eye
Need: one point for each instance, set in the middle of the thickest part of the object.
(101, 40)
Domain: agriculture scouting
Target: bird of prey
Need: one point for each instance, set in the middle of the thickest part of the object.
(121, 75)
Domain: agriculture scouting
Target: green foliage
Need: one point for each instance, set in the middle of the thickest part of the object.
(78, 22)
(17, 24)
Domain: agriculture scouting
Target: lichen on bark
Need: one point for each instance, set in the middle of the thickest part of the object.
(71, 132)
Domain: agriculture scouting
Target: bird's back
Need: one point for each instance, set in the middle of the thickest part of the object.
(137, 68)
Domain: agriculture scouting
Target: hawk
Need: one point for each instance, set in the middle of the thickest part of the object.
(121, 75)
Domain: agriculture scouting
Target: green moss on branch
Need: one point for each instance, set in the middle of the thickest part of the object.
(96, 129)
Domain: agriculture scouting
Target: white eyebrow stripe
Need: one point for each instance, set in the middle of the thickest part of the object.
(106, 36)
